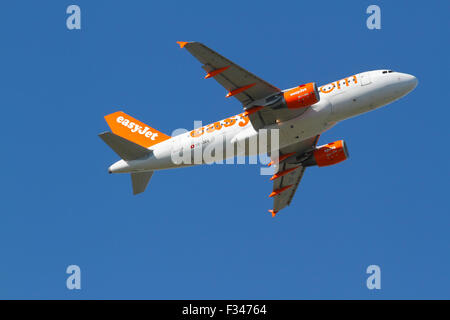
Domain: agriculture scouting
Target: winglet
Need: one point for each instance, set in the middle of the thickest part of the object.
(182, 43)
(273, 212)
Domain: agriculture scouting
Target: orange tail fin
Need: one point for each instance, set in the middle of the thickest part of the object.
(131, 129)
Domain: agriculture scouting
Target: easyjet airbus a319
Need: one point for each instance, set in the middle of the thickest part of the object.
(299, 115)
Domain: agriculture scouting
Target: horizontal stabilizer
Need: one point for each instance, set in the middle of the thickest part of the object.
(140, 180)
(126, 149)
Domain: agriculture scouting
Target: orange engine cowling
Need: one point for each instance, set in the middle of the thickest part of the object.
(301, 96)
(330, 153)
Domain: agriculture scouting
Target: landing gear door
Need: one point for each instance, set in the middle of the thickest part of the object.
(364, 78)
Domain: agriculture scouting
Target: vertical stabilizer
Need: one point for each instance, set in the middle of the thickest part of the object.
(134, 130)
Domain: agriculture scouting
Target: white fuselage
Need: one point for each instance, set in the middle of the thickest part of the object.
(339, 100)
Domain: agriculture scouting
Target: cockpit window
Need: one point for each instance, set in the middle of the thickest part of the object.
(388, 71)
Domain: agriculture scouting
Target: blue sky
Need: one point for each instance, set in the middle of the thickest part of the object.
(204, 232)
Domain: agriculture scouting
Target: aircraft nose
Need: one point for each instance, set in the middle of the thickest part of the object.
(409, 82)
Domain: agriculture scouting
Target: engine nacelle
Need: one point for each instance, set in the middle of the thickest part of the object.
(331, 153)
(301, 96)
(328, 154)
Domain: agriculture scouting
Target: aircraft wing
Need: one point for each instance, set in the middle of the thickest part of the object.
(240, 83)
(285, 186)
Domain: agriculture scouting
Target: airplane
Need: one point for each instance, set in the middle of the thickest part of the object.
(301, 114)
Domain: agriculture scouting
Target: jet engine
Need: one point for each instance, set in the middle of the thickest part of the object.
(327, 155)
(299, 97)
